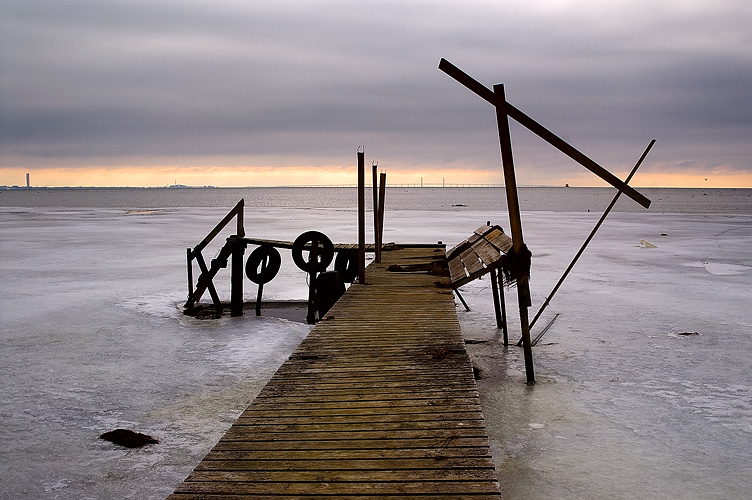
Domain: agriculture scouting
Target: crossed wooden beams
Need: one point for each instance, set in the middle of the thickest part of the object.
(504, 110)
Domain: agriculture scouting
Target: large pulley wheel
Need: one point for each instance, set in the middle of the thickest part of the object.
(263, 264)
(324, 251)
(346, 264)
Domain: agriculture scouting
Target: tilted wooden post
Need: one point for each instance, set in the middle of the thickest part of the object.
(515, 225)
(361, 217)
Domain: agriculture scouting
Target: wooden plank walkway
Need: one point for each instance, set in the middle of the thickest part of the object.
(378, 401)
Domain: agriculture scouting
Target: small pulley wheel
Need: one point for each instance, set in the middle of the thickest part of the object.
(324, 251)
(263, 264)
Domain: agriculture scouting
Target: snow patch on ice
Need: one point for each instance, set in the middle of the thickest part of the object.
(720, 268)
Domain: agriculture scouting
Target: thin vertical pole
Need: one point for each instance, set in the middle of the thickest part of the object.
(515, 224)
(503, 310)
(259, 294)
(189, 258)
(313, 256)
(236, 301)
(361, 216)
(240, 229)
(495, 293)
(382, 195)
(375, 189)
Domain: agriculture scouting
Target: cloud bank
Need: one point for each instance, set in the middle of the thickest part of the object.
(268, 84)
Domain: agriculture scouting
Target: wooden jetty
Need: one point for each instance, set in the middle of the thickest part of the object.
(378, 401)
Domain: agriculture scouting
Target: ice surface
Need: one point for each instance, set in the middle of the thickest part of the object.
(627, 404)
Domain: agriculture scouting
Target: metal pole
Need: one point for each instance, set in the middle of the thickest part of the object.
(495, 293)
(503, 311)
(313, 256)
(361, 216)
(382, 196)
(515, 224)
(236, 301)
(189, 256)
(375, 192)
(592, 233)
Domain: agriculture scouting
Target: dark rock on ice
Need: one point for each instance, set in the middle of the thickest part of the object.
(129, 439)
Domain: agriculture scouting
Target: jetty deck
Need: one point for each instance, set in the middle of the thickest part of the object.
(378, 401)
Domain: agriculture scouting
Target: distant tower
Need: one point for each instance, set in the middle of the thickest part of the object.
(27, 180)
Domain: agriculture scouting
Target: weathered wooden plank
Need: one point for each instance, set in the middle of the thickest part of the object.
(350, 419)
(414, 496)
(380, 464)
(489, 254)
(346, 475)
(471, 261)
(320, 487)
(482, 230)
(351, 454)
(430, 446)
(502, 241)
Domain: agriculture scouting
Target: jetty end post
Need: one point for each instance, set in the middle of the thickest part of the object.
(382, 194)
(375, 192)
(515, 224)
(361, 216)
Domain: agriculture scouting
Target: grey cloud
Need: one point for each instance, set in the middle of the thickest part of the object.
(99, 78)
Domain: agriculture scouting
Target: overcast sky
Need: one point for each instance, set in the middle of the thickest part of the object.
(253, 91)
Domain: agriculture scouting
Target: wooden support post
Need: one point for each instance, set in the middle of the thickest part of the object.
(239, 227)
(258, 298)
(375, 192)
(504, 329)
(236, 301)
(361, 217)
(515, 225)
(382, 194)
(189, 258)
(497, 303)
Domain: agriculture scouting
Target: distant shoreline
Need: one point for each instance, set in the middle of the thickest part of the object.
(352, 186)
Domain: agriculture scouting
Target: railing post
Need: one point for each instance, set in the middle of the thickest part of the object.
(361, 217)
(236, 301)
(189, 258)
(382, 193)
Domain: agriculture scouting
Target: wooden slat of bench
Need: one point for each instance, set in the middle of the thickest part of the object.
(489, 254)
(471, 261)
(484, 229)
(501, 241)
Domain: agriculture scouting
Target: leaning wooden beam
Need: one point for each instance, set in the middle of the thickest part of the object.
(237, 210)
(204, 282)
(535, 127)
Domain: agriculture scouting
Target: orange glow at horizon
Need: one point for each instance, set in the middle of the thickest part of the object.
(294, 176)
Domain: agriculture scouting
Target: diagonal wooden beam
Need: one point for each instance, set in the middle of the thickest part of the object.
(538, 129)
